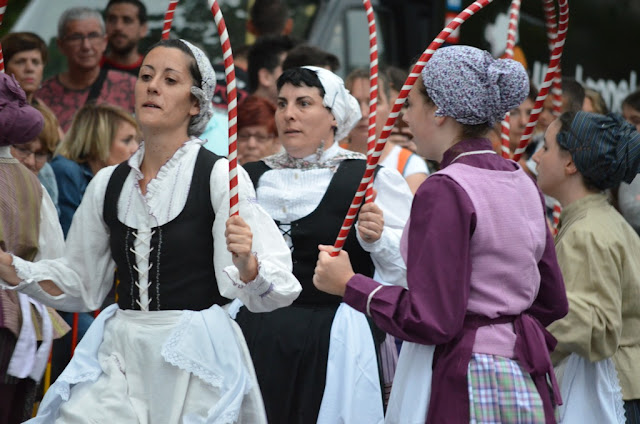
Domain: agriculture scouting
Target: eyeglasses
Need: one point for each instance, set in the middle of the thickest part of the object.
(78, 38)
(22, 153)
(260, 138)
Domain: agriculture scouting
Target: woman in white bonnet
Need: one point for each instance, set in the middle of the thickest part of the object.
(316, 359)
(482, 274)
(166, 352)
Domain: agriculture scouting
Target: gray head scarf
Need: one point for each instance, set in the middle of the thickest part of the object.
(343, 106)
(204, 93)
(605, 149)
(472, 87)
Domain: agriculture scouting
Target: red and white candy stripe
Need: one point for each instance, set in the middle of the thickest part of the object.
(3, 7)
(168, 19)
(552, 26)
(557, 209)
(232, 105)
(373, 88)
(552, 71)
(514, 17)
(397, 106)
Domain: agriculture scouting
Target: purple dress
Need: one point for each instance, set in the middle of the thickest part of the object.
(446, 305)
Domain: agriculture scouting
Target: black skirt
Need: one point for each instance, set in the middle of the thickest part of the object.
(290, 349)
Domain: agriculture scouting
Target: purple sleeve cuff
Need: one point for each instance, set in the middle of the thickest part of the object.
(358, 290)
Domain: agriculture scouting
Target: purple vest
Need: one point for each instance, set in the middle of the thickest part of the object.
(506, 246)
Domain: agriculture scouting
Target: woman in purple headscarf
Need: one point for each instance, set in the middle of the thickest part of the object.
(29, 228)
(482, 274)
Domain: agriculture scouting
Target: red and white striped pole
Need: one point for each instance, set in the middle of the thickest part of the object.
(395, 111)
(557, 209)
(552, 27)
(373, 89)
(514, 17)
(232, 106)
(168, 19)
(3, 8)
(554, 66)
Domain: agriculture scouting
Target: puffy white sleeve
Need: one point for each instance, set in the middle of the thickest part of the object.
(85, 271)
(394, 198)
(275, 286)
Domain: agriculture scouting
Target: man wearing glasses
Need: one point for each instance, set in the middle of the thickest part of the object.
(82, 40)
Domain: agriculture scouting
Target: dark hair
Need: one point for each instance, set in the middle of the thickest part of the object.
(308, 55)
(18, 42)
(396, 76)
(265, 54)
(142, 9)
(173, 43)
(573, 91)
(269, 17)
(256, 110)
(533, 92)
(299, 77)
(468, 131)
(566, 119)
(632, 100)
(356, 74)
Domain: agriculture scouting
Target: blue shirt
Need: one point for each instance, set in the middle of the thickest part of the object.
(73, 179)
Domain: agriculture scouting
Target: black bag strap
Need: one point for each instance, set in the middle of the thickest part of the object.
(96, 87)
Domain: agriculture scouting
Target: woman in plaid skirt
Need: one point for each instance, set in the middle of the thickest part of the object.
(483, 279)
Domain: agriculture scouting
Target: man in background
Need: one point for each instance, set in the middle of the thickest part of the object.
(126, 25)
(82, 40)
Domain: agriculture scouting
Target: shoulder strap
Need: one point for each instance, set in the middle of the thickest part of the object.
(96, 87)
(112, 194)
(255, 171)
(403, 158)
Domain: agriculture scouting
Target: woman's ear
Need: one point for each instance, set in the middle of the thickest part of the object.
(569, 165)
(440, 120)
(195, 106)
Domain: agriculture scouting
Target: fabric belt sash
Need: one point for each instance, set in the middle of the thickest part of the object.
(450, 395)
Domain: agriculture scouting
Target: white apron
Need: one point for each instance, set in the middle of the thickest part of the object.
(590, 391)
(409, 402)
(170, 367)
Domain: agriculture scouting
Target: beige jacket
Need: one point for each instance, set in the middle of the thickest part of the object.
(599, 254)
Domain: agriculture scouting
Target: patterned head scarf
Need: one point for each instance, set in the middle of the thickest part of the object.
(605, 148)
(19, 122)
(472, 87)
(204, 93)
(343, 106)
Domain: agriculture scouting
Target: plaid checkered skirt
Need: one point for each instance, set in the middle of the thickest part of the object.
(501, 393)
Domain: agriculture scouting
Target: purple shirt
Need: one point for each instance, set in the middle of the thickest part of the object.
(433, 310)
(443, 219)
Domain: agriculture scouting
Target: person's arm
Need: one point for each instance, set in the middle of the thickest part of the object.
(551, 304)
(393, 201)
(84, 274)
(71, 187)
(415, 172)
(274, 286)
(432, 310)
(592, 273)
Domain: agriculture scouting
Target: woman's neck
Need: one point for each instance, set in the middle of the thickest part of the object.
(158, 149)
(573, 192)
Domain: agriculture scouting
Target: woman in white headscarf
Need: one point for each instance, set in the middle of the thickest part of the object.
(316, 359)
(167, 351)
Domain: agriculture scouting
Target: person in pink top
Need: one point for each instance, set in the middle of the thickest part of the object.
(82, 40)
(482, 274)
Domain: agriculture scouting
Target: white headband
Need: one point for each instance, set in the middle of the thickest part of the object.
(344, 107)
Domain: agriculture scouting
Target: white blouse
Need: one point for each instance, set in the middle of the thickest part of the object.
(85, 272)
(291, 194)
